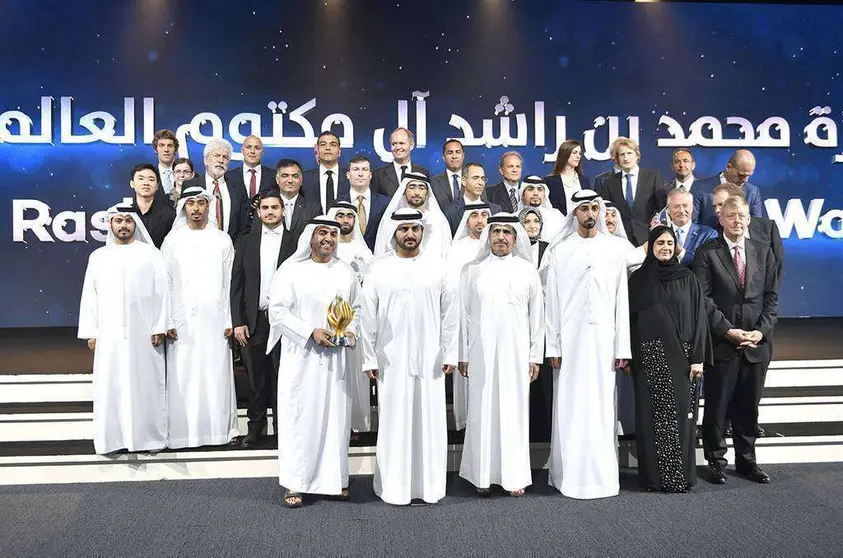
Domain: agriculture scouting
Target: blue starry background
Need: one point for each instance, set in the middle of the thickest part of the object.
(583, 59)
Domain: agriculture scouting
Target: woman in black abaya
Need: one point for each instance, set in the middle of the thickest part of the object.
(670, 345)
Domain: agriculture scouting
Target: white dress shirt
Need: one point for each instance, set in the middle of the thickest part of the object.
(397, 168)
(270, 248)
(687, 184)
(226, 200)
(323, 183)
(634, 174)
(685, 230)
(289, 206)
(247, 179)
(741, 242)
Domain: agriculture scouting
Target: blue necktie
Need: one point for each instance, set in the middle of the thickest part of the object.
(456, 184)
(679, 240)
(628, 194)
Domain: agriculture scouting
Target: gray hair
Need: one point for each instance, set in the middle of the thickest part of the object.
(509, 154)
(217, 144)
(677, 192)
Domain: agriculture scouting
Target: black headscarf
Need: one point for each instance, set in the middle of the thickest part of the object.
(645, 285)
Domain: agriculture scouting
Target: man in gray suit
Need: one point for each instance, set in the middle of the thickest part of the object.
(446, 185)
(386, 179)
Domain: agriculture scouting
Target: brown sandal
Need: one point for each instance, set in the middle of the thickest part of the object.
(292, 499)
(516, 493)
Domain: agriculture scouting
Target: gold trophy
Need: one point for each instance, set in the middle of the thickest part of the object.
(340, 314)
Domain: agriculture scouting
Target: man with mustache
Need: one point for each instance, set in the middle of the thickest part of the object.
(313, 395)
(587, 316)
(534, 194)
(409, 326)
(501, 350)
(200, 377)
(123, 316)
(155, 213)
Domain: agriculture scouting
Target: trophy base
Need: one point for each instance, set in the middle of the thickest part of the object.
(339, 341)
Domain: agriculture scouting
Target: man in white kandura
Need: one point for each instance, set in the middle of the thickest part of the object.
(352, 249)
(534, 194)
(123, 315)
(201, 402)
(314, 406)
(409, 325)
(414, 193)
(464, 249)
(587, 316)
(501, 349)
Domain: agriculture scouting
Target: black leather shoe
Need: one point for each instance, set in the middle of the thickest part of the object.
(252, 439)
(716, 475)
(760, 432)
(756, 475)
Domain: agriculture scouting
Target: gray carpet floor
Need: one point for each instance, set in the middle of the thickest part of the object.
(799, 514)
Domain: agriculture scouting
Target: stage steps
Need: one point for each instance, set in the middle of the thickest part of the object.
(45, 433)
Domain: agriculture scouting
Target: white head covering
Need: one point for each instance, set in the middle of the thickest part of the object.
(570, 225)
(124, 208)
(521, 247)
(432, 213)
(303, 250)
(193, 192)
(403, 216)
(536, 181)
(356, 235)
(620, 231)
(463, 230)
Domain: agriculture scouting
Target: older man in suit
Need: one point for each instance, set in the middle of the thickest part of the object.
(298, 210)
(689, 235)
(507, 192)
(638, 193)
(232, 203)
(252, 177)
(446, 186)
(683, 165)
(739, 169)
(258, 254)
(386, 179)
(370, 205)
(473, 180)
(328, 182)
(738, 279)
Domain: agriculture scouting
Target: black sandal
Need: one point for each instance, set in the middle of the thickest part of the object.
(345, 495)
(483, 492)
(292, 499)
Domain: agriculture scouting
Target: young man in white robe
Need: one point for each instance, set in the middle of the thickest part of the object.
(414, 193)
(352, 249)
(464, 249)
(587, 317)
(534, 194)
(501, 350)
(314, 405)
(201, 402)
(123, 316)
(409, 326)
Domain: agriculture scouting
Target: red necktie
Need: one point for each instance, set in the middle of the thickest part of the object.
(218, 197)
(740, 266)
(253, 185)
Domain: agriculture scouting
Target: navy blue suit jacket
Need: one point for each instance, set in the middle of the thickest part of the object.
(697, 236)
(556, 192)
(310, 186)
(376, 211)
(704, 201)
(455, 211)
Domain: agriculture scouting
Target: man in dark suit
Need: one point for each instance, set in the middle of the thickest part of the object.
(252, 177)
(689, 235)
(156, 215)
(683, 165)
(257, 255)
(637, 193)
(507, 192)
(298, 211)
(473, 180)
(600, 179)
(386, 179)
(738, 279)
(738, 171)
(328, 182)
(165, 145)
(233, 207)
(447, 186)
(370, 205)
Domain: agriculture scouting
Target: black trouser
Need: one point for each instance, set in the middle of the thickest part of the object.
(733, 385)
(263, 375)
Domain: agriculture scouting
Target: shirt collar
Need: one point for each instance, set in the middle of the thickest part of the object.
(209, 182)
(291, 200)
(408, 164)
(367, 195)
(687, 183)
(276, 231)
(731, 245)
(335, 169)
(633, 172)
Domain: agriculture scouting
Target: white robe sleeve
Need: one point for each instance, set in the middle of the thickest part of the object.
(354, 300)
(537, 325)
(553, 313)
(623, 347)
(449, 308)
(161, 289)
(176, 317)
(88, 305)
(636, 257)
(282, 321)
(228, 265)
(464, 301)
(369, 322)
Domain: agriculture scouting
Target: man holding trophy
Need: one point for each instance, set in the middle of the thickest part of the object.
(311, 310)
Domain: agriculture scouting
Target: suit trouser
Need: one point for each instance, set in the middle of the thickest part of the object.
(263, 375)
(733, 385)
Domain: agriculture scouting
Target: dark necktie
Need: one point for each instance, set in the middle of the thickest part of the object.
(628, 194)
(456, 185)
(740, 266)
(253, 184)
(513, 200)
(218, 197)
(329, 190)
(403, 171)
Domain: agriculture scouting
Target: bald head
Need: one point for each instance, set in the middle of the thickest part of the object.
(740, 167)
(252, 151)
